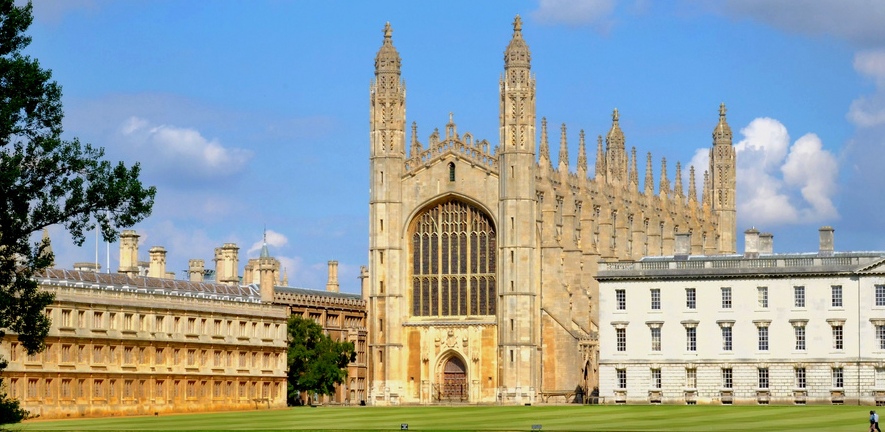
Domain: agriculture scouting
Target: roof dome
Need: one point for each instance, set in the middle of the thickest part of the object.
(517, 53)
(615, 134)
(387, 59)
(722, 131)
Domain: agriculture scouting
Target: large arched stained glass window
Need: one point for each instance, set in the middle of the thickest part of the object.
(453, 261)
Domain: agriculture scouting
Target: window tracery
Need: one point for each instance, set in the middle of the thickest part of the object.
(453, 262)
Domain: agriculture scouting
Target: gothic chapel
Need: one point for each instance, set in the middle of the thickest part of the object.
(482, 259)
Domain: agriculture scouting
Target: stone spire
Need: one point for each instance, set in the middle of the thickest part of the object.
(677, 186)
(265, 253)
(563, 150)
(582, 155)
(267, 266)
(723, 185)
(616, 157)
(665, 182)
(705, 194)
(722, 131)
(517, 87)
(634, 171)
(387, 103)
(600, 160)
(545, 147)
(517, 53)
(416, 147)
(451, 128)
(649, 177)
(46, 249)
(387, 60)
(692, 190)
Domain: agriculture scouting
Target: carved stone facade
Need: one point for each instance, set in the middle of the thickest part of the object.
(128, 344)
(133, 345)
(482, 260)
(343, 318)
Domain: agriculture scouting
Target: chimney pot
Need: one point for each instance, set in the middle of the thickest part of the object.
(827, 240)
(332, 284)
(751, 243)
(766, 243)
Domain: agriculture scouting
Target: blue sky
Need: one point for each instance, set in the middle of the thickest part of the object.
(254, 114)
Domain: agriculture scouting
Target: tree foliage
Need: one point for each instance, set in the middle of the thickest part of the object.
(316, 362)
(46, 180)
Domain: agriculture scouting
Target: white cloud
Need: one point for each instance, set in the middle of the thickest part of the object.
(273, 239)
(181, 151)
(858, 21)
(863, 153)
(54, 11)
(575, 12)
(869, 111)
(765, 144)
(290, 266)
(701, 163)
(780, 183)
(812, 170)
(871, 63)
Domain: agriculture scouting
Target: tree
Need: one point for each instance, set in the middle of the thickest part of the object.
(46, 180)
(316, 362)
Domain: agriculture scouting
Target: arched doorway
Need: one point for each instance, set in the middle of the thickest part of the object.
(454, 381)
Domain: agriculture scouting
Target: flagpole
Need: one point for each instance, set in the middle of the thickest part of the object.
(96, 250)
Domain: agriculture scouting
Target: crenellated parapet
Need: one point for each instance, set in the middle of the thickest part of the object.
(465, 146)
(634, 219)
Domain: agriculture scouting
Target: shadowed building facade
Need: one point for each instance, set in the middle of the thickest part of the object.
(482, 260)
(138, 342)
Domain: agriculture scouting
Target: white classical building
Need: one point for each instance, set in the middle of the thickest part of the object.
(756, 328)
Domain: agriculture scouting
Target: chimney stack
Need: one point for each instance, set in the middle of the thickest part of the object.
(332, 284)
(87, 267)
(157, 266)
(766, 243)
(251, 274)
(751, 243)
(226, 264)
(364, 282)
(827, 240)
(195, 269)
(128, 253)
(267, 267)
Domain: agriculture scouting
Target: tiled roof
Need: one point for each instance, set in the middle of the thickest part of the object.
(151, 285)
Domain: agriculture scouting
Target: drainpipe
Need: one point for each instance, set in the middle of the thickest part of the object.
(859, 322)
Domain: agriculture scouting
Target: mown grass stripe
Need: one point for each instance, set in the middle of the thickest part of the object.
(495, 418)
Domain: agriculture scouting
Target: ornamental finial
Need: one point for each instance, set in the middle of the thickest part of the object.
(517, 24)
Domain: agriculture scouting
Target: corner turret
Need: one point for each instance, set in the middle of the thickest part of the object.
(723, 171)
(267, 267)
(615, 153)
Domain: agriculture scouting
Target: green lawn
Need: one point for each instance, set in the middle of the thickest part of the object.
(511, 418)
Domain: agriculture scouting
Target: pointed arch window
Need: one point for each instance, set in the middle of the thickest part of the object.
(453, 261)
(451, 171)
